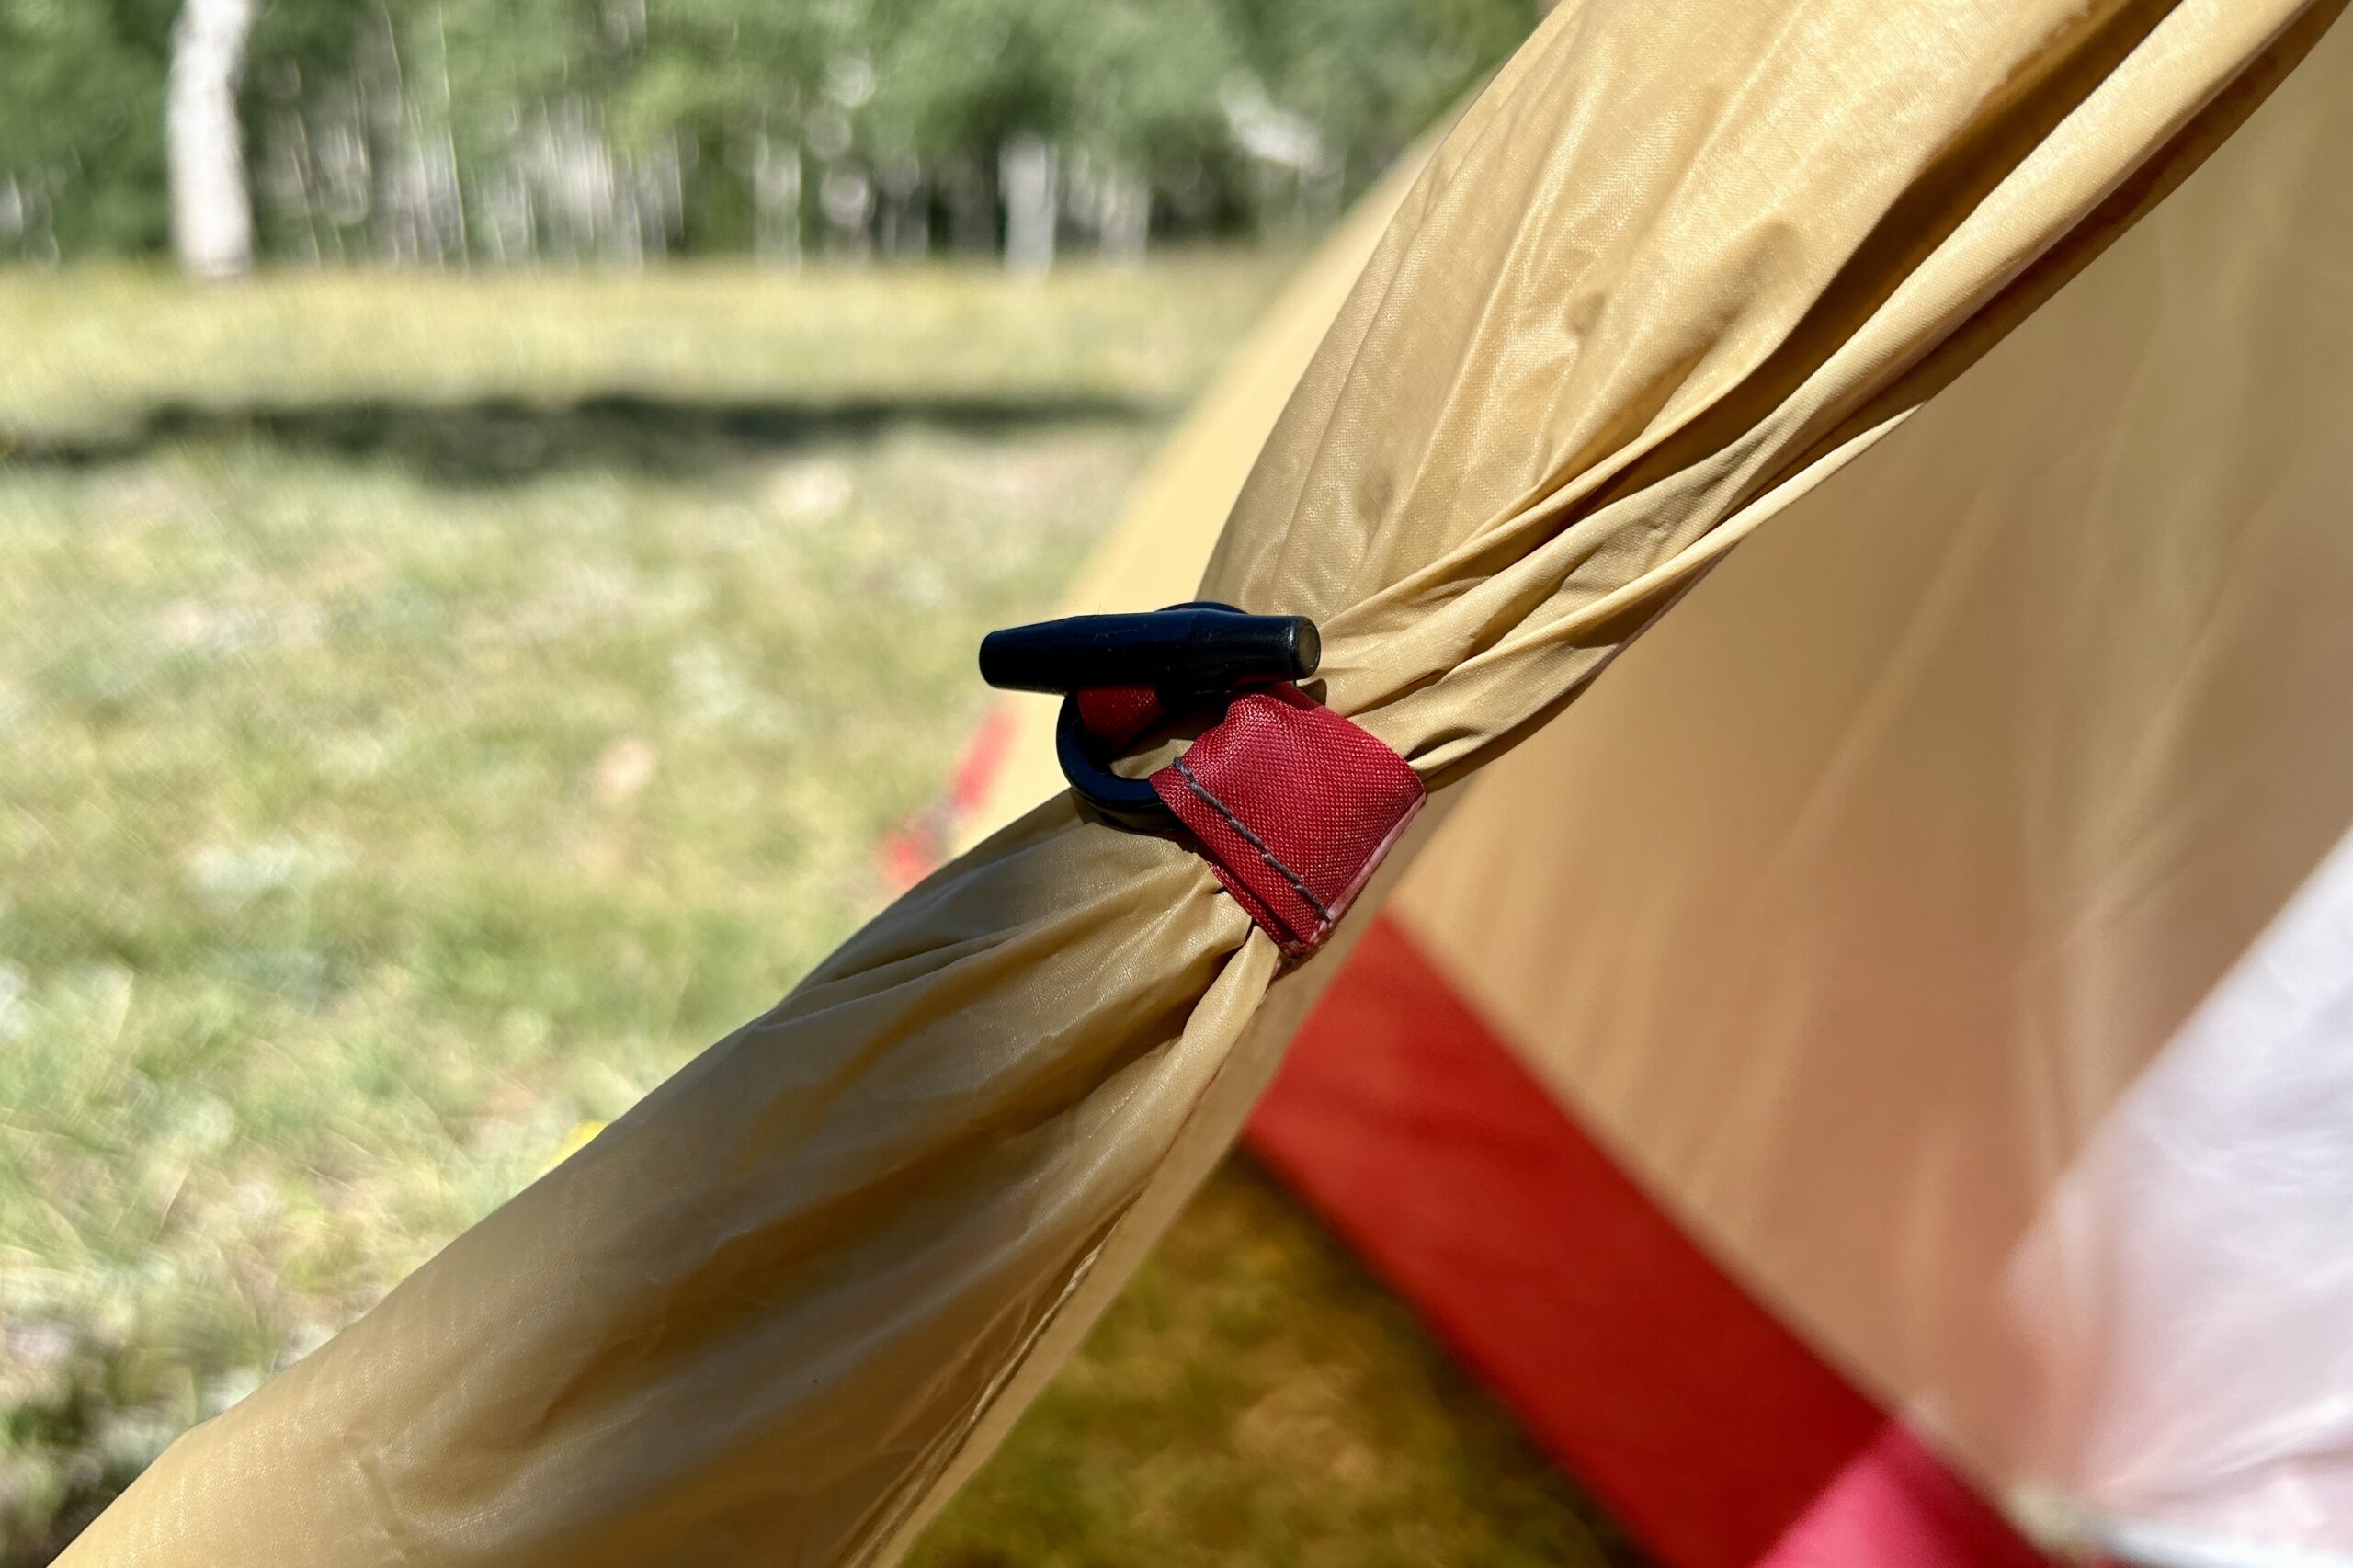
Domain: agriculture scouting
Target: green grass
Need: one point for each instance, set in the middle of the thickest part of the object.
(430, 708)
(1254, 1398)
(97, 349)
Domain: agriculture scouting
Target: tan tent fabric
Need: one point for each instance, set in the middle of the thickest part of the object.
(1675, 265)
(1910, 842)
(1915, 835)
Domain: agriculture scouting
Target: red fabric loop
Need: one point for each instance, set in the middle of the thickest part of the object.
(1292, 804)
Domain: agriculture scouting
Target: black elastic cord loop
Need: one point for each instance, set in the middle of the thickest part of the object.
(1132, 802)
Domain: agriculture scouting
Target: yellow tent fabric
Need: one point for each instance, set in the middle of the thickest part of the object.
(1911, 861)
(1674, 266)
(1907, 854)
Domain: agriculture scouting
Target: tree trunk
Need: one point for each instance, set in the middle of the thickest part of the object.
(1029, 171)
(1123, 215)
(213, 221)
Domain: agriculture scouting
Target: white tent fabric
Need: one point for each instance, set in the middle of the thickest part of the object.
(2189, 1282)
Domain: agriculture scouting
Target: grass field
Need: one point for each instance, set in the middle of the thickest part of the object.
(431, 708)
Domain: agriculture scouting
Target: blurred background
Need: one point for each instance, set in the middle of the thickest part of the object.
(497, 500)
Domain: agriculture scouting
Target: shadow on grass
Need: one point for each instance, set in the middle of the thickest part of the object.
(494, 439)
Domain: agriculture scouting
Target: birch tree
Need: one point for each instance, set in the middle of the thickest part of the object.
(212, 221)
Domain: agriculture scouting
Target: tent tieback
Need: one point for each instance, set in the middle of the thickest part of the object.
(1292, 804)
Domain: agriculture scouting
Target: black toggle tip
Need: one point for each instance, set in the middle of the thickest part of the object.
(1187, 648)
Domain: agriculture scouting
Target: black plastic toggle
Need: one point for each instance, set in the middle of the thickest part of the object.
(1184, 653)
(1185, 648)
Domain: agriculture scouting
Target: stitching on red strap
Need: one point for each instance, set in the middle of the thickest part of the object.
(1193, 783)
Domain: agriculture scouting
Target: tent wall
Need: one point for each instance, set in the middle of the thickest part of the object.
(1917, 832)
(1710, 1432)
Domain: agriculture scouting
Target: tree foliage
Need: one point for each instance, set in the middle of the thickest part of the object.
(81, 123)
(436, 129)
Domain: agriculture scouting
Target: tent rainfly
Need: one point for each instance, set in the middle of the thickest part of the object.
(1865, 1080)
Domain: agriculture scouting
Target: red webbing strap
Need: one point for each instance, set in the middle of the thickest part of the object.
(1292, 804)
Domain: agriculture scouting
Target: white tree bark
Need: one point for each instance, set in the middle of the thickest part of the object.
(776, 201)
(213, 221)
(1029, 170)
